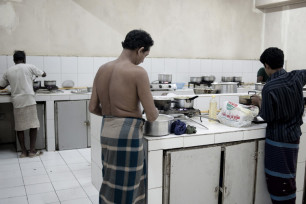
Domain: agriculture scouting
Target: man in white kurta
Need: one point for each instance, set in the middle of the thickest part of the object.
(20, 78)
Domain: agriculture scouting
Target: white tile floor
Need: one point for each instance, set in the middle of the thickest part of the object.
(54, 177)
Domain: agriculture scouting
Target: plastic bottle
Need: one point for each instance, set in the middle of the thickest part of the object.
(213, 108)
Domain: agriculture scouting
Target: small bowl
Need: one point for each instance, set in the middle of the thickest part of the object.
(180, 85)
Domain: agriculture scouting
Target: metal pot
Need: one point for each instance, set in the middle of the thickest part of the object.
(246, 99)
(36, 85)
(162, 104)
(208, 79)
(237, 79)
(160, 127)
(196, 79)
(225, 87)
(49, 83)
(259, 86)
(165, 78)
(227, 79)
(203, 91)
(184, 102)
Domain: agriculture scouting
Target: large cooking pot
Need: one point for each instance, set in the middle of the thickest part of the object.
(48, 83)
(165, 78)
(225, 87)
(160, 127)
(259, 86)
(163, 103)
(208, 79)
(184, 102)
(196, 79)
(246, 99)
(227, 79)
(237, 79)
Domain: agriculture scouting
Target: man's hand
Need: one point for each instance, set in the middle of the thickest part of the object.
(256, 100)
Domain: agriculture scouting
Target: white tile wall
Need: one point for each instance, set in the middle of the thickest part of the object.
(38, 61)
(10, 61)
(52, 65)
(69, 65)
(85, 65)
(82, 70)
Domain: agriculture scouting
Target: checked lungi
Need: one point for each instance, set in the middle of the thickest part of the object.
(123, 161)
(280, 170)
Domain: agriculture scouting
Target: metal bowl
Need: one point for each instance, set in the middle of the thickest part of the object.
(227, 79)
(160, 127)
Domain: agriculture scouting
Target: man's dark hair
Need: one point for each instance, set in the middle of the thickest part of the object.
(19, 56)
(136, 39)
(274, 57)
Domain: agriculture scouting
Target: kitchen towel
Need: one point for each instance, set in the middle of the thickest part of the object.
(178, 127)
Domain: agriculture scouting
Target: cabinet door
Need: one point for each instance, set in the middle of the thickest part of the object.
(88, 124)
(261, 191)
(239, 173)
(71, 124)
(194, 176)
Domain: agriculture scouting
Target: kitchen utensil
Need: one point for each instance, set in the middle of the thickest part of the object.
(36, 85)
(68, 84)
(163, 103)
(165, 78)
(49, 83)
(196, 79)
(259, 86)
(225, 87)
(180, 85)
(89, 89)
(160, 127)
(227, 79)
(184, 102)
(207, 90)
(208, 79)
(237, 79)
(197, 123)
(246, 99)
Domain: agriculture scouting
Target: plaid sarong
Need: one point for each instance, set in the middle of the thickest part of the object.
(280, 170)
(123, 161)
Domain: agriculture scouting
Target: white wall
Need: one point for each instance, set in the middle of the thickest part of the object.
(181, 29)
(285, 28)
(83, 69)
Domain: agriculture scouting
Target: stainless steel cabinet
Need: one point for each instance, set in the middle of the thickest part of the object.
(192, 176)
(261, 192)
(71, 124)
(239, 173)
(41, 135)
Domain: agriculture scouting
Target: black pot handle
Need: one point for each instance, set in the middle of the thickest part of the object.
(192, 98)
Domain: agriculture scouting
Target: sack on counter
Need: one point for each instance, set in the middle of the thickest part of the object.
(237, 115)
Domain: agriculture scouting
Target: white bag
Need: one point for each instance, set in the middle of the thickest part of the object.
(237, 115)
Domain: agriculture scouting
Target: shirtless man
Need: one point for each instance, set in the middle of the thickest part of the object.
(119, 88)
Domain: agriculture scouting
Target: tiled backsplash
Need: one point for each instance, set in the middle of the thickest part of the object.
(83, 69)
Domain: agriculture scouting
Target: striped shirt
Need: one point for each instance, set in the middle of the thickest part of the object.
(283, 105)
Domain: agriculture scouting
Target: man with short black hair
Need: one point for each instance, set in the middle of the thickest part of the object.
(282, 106)
(20, 78)
(119, 88)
